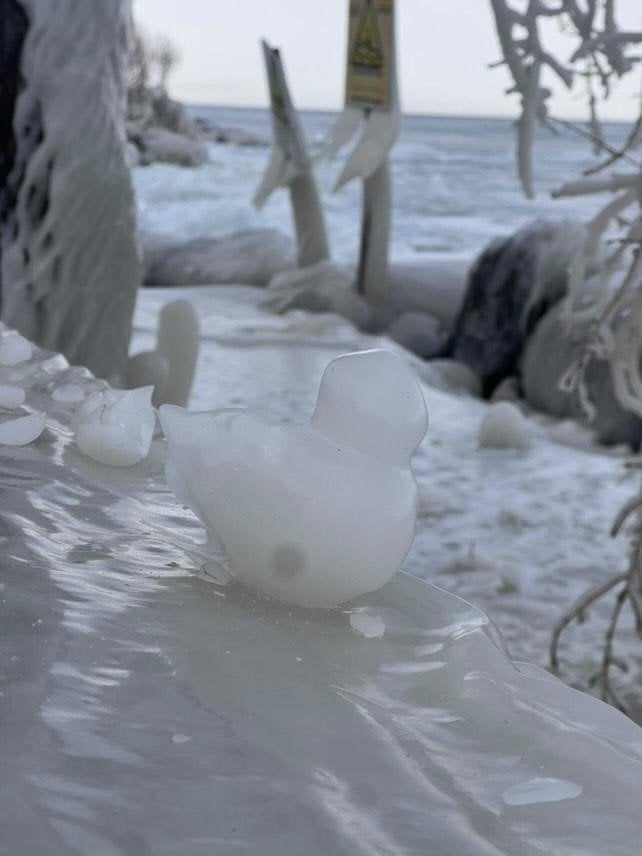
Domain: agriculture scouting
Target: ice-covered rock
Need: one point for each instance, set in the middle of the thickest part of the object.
(115, 427)
(548, 355)
(251, 256)
(23, 430)
(310, 514)
(450, 375)
(418, 332)
(510, 287)
(164, 146)
(504, 427)
(11, 396)
(323, 287)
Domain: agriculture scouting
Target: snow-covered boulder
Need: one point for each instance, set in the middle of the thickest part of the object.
(550, 351)
(323, 287)
(504, 427)
(435, 287)
(251, 257)
(160, 145)
(451, 376)
(418, 332)
(510, 287)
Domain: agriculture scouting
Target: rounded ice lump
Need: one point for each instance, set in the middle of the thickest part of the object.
(311, 514)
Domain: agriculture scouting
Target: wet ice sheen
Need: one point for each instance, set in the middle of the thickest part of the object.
(304, 737)
(311, 514)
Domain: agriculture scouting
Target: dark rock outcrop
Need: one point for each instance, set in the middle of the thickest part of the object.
(510, 287)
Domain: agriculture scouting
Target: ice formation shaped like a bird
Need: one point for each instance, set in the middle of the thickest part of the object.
(311, 514)
(115, 427)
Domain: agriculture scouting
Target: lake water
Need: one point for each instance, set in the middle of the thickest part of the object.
(454, 181)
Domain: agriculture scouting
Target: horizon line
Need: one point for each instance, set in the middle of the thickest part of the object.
(408, 113)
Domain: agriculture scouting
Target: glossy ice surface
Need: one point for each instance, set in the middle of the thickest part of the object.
(145, 709)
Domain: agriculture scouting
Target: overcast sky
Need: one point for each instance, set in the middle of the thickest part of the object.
(444, 47)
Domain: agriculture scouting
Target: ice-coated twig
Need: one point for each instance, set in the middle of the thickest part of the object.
(630, 592)
(586, 186)
(599, 44)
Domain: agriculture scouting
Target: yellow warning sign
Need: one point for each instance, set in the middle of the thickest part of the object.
(369, 54)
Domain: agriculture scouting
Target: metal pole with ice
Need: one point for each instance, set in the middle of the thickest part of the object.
(372, 103)
(290, 166)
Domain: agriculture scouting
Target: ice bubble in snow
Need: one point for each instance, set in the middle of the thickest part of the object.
(311, 514)
(504, 427)
(367, 625)
(14, 349)
(115, 427)
(11, 396)
(22, 431)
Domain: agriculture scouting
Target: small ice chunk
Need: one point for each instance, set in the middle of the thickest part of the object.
(541, 790)
(11, 396)
(22, 431)
(69, 393)
(310, 514)
(367, 625)
(504, 427)
(14, 349)
(180, 738)
(115, 427)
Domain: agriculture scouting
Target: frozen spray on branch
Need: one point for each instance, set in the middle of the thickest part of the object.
(311, 514)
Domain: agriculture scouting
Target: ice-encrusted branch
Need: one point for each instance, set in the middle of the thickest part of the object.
(598, 43)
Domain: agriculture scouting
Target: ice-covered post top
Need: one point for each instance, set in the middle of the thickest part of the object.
(290, 166)
(311, 514)
(372, 102)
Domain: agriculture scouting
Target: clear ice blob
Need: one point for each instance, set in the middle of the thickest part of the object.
(311, 514)
(115, 427)
(23, 430)
(69, 393)
(11, 396)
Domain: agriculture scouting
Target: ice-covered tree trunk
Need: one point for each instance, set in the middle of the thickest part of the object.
(69, 259)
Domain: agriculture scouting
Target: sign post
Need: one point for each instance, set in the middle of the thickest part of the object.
(372, 104)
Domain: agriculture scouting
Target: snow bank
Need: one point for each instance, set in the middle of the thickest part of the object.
(251, 256)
